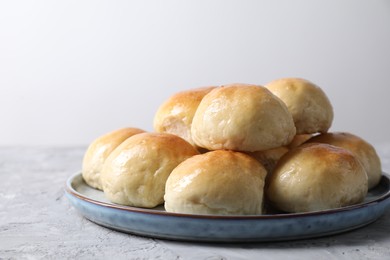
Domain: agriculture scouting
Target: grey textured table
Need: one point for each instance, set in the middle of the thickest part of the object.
(38, 222)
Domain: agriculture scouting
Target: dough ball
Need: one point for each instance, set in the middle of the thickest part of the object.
(218, 182)
(308, 104)
(175, 115)
(364, 151)
(314, 177)
(243, 118)
(99, 150)
(136, 171)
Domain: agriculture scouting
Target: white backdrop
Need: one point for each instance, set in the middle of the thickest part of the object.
(73, 70)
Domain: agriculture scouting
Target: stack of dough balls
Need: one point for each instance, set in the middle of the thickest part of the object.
(231, 149)
(238, 117)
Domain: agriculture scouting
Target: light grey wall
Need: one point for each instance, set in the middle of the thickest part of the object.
(73, 70)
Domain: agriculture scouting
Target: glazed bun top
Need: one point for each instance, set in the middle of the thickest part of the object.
(242, 117)
(315, 177)
(175, 114)
(99, 150)
(364, 151)
(136, 171)
(308, 104)
(218, 182)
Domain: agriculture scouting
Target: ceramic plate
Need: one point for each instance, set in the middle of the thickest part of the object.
(157, 223)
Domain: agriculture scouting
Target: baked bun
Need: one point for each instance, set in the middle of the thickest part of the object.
(308, 104)
(364, 151)
(99, 150)
(269, 158)
(315, 177)
(175, 115)
(136, 171)
(243, 118)
(218, 182)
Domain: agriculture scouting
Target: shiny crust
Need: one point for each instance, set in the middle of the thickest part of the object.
(218, 182)
(243, 118)
(364, 151)
(315, 177)
(308, 104)
(99, 150)
(135, 173)
(175, 114)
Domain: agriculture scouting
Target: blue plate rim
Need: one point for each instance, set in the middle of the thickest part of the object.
(71, 191)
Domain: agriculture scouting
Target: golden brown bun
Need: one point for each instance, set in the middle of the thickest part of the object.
(308, 104)
(175, 115)
(136, 171)
(269, 158)
(99, 150)
(218, 182)
(364, 151)
(243, 118)
(315, 177)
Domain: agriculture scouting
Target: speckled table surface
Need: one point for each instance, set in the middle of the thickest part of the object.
(38, 222)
